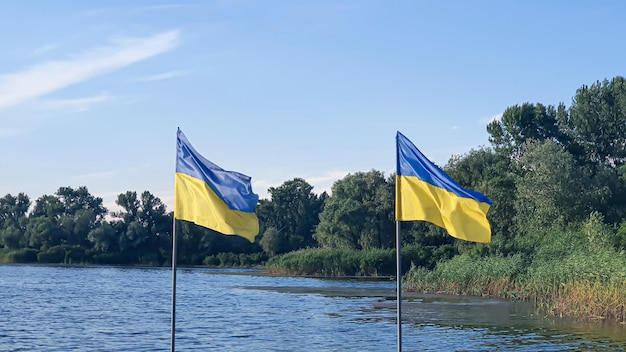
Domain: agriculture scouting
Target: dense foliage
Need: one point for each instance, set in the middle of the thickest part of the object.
(556, 174)
(73, 226)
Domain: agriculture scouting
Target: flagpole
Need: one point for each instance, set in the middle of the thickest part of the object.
(399, 284)
(173, 330)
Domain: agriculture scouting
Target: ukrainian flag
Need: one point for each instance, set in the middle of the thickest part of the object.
(425, 192)
(212, 197)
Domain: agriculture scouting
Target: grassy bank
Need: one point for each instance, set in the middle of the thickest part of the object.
(562, 273)
(75, 255)
(334, 262)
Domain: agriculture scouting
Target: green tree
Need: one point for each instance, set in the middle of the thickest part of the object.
(43, 233)
(520, 123)
(492, 174)
(553, 190)
(274, 242)
(144, 223)
(195, 243)
(292, 213)
(43, 230)
(74, 200)
(48, 206)
(82, 212)
(104, 238)
(13, 220)
(359, 214)
(596, 122)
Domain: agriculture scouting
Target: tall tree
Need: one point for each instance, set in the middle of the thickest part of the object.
(144, 223)
(13, 220)
(490, 173)
(359, 214)
(43, 233)
(82, 213)
(553, 190)
(48, 206)
(74, 200)
(596, 122)
(520, 123)
(292, 213)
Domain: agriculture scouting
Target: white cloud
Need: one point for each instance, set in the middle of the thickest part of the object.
(95, 175)
(325, 182)
(164, 75)
(490, 119)
(109, 199)
(19, 87)
(167, 197)
(260, 187)
(80, 104)
(44, 49)
(159, 7)
(320, 184)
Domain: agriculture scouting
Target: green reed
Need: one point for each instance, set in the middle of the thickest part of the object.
(562, 273)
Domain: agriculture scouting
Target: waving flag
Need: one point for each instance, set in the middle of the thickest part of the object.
(212, 197)
(425, 192)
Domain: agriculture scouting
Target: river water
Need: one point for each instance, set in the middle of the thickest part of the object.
(48, 308)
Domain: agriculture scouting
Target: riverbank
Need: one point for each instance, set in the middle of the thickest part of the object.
(563, 274)
(588, 286)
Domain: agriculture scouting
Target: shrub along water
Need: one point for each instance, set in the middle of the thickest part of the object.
(334, 262)
(563, 273)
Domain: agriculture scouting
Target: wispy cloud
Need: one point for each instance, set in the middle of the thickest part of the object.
(320, 184)
(347, 6)
(20, 87)
(490, 119)
(95, 175)
(44, 49)
(109, 199)
(260, 187)
(167, 197)
(96, 12)
(159, 7)
(325, 182)
(80, 104)
(164, 75)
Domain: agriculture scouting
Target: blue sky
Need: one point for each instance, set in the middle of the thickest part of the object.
(91, 93)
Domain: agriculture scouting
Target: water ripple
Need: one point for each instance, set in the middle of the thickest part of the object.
(47, 308)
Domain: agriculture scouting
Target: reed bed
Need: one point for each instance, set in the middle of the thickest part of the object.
(563, 279)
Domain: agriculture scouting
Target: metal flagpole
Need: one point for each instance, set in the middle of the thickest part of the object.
(399, 284)
(398, 251)
(173, 333)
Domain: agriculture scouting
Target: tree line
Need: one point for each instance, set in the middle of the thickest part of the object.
(547, 167)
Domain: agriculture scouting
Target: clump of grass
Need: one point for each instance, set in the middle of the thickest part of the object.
(25, 255)
(334, 262)
(591, 299)
(563, 273)
(466, 275)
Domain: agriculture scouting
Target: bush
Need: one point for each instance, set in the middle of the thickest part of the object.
(234, 260)
(469, 275)
(54, 254)
(426, 256)
(111, 259)
(335, 262)
(25, 255)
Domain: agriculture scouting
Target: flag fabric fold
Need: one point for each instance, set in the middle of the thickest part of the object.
(425, 192)
(212, 197)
